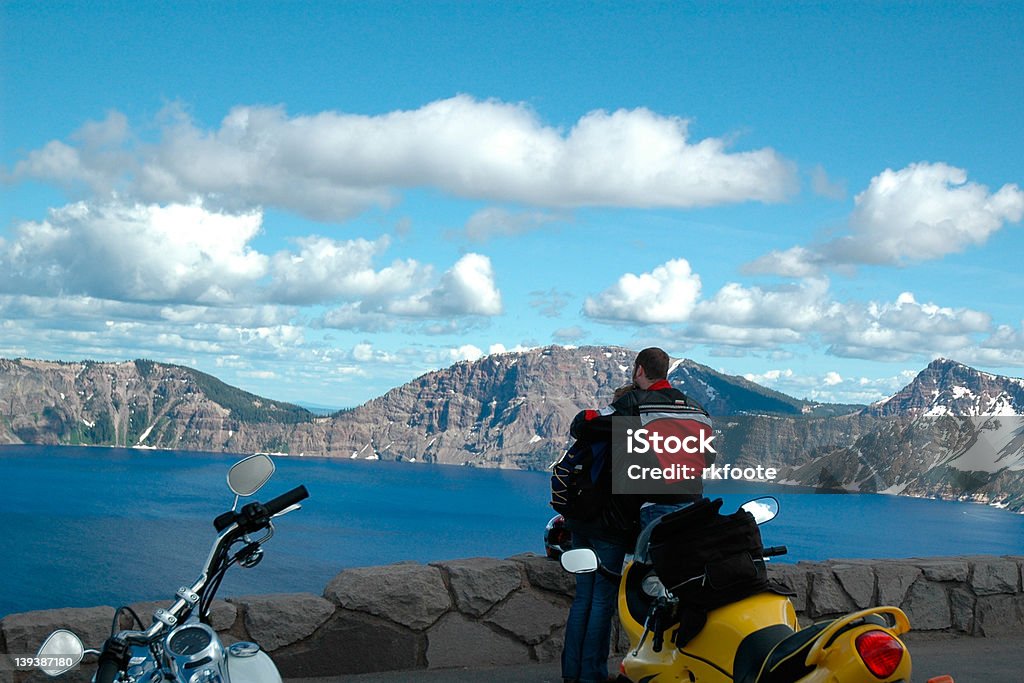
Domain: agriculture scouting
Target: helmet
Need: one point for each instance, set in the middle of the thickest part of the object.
(557, 538)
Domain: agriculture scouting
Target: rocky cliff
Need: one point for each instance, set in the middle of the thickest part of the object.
(140, 403)
(953, 431)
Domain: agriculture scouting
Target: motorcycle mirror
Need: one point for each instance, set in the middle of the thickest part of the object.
(247, 476)
(60, 652)
(579, 561)
(764, 509)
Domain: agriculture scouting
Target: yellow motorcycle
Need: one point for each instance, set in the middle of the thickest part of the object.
(697, 607)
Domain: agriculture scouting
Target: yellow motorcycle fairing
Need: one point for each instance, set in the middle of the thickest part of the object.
(709, 656)
(836, 658)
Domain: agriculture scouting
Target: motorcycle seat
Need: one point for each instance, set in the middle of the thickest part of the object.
(775, 654)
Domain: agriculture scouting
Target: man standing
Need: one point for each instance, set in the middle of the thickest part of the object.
(654, 402)
(612, 534)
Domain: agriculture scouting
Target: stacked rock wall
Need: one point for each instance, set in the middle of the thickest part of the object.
(487, 612)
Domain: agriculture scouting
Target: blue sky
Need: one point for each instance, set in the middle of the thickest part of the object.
(319, 201)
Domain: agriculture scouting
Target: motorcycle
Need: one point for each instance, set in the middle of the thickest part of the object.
(180, 645)
(749, 637)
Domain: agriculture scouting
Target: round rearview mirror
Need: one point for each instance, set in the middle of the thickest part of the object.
(60, 653)
(764, 509)
(579, 561)
(247, 476)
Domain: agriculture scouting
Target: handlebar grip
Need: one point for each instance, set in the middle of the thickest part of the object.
(286, 500)
(107, 671)
(113, 659)
(774, 551)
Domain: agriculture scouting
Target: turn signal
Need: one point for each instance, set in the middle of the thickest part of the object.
(880, 651)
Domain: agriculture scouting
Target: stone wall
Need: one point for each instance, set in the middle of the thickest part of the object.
(488, 612)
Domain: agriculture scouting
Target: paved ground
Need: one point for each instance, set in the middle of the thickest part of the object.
(968, 660)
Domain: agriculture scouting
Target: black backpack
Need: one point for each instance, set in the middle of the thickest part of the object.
(707, 560)
(581, 481)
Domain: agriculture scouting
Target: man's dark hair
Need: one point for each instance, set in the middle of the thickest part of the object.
(654, 361)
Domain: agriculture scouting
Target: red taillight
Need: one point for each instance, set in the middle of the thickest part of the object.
(880, 651)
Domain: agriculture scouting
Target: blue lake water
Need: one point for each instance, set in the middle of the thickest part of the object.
(101, 526)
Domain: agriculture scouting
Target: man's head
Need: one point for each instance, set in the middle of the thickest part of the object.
(650, 366)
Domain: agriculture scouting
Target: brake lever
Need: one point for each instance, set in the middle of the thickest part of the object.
(290, 508)
(652, 616)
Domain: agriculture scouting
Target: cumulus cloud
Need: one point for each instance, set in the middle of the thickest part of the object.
(98, 159)
(188, 265)
(467, 289)
(923, 212)
(809, 313)
(901, 329)
(326, 269)
(919, 213)
(792, 307)
(176, 253)
(667, 294)
(465, 352)
(332, 165)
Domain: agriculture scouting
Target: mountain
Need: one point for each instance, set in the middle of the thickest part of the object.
(504, 410)
(946, 387)
(139, 403)
(953, 432)
(514, 409)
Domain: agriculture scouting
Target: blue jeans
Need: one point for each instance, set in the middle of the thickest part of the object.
(588, 628)
(649, 513)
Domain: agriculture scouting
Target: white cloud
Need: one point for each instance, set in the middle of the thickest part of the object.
(365, 352)
(176, 253)
(901, 329)
(324, 269)
(919, 213)
(332, 165)
(99, 159)
(922, 212)
(189, 260)
(465, 352)
(667, 294)
(794, 308)
(467, 289)
(768, 377)
(831, 387)
(795, 262)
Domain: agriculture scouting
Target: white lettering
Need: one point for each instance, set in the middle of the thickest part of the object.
(750, 473)
(643, 441)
